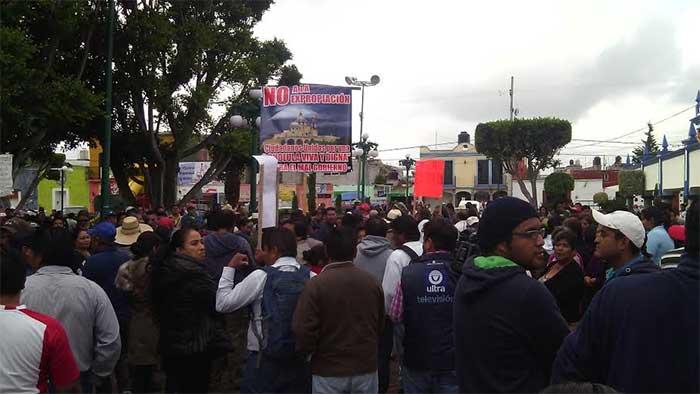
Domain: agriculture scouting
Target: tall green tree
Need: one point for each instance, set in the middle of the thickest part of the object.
(532, 142)
(45, 98)
(180, 70)
(649, 143)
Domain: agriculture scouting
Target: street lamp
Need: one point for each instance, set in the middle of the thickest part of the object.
(237, 121)
(63, 170)
(353, 81)
(408, 163)
(362, 150)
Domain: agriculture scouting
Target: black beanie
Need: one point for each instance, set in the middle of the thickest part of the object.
(500, 217)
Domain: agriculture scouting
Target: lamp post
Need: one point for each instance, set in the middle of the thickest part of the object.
(107, 142)
(63, 170)
(361, 151)
(408, 163)
(237, 121)
(353, 81)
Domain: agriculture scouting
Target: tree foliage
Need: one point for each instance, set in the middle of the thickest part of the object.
(311, 191)
(616, 204)
(558, 183)
(181, 70)
(600, 198)
(649, 143)
(534, 141)
(45, 100)
(557, 186)
(631, 183)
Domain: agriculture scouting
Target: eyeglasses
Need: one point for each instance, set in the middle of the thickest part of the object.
(532, 234)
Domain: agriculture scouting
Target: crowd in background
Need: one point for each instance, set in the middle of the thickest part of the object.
(467, 299)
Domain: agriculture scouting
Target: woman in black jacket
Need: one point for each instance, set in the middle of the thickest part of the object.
(564, 276)
(183, 297)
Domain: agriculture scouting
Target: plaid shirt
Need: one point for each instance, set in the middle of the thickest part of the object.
(396, 309)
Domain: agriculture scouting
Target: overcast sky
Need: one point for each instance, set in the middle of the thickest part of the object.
(607, 66)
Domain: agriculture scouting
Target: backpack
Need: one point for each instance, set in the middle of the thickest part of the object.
(280, 295)
(467, 247)
(410, 252)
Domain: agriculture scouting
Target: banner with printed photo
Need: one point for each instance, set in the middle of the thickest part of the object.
(308, 128)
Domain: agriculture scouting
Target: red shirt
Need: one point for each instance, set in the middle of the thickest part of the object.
(34, 349)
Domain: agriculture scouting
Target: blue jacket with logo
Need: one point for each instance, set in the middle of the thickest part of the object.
(428, 287)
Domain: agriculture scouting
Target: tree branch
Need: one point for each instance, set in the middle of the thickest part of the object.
(83, 62)
(214, 170)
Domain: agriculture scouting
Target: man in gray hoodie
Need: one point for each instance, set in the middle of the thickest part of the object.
(374, 250)
(372, 254)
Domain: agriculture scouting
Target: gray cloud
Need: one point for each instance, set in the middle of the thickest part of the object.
(649, 64)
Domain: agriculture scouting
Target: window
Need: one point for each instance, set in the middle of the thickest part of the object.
(448, 180)
(496, 172)
(482, 173)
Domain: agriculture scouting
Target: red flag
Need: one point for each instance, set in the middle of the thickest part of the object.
(429, 178)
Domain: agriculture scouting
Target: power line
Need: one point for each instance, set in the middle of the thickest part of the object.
(640, 129)
(455, 142)
(594, 142)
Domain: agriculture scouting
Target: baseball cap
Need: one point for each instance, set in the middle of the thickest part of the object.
(166, 222)
(472, 220)
(625, 222)
(103, 230)
(393, 214)
(677, 232)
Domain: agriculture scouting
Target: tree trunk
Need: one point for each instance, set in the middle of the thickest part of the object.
(169, 181)
(533, 183)
(232, 186)
(525, 192)
(32, 187)
(122, 179)
(214, 170)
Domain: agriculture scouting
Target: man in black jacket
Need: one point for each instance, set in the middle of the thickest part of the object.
(640, 334)
(507, 325)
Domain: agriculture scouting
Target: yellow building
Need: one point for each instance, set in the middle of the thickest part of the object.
(469, 175)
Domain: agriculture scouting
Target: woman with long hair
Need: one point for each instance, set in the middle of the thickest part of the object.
(183, 297)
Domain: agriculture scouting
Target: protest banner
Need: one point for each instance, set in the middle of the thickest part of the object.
(428, 178)
(308, 128)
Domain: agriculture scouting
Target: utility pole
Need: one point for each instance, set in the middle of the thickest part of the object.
(511, 98)
(107, 143)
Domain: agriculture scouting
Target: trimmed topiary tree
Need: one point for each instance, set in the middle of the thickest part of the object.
(631, 183)
(600, 197)
(532, 142)
(557, 187)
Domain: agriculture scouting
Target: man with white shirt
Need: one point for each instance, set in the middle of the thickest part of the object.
(406, 240)
(272, 292)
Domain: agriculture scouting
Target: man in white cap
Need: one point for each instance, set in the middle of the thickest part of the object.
(639, 334)
(620, 240)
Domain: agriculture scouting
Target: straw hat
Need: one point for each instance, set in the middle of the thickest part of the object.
(130, 230)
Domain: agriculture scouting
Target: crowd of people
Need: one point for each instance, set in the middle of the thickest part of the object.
(504, 298)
